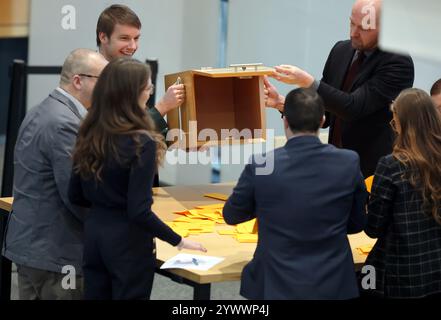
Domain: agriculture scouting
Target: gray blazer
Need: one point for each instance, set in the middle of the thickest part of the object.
(44, 230)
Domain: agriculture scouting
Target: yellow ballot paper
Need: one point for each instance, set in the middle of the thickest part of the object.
(218, 196)
(216, 206)
(202, 219)
(368, 181)
(246, 238)
(365, 249)
(226, 232)
(182, 232)
(247, 227)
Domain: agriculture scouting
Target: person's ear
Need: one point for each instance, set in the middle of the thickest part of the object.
(103, 37)
(76, 82)
(323, 121)
(285, 123)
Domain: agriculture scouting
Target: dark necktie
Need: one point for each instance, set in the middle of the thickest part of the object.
(347, 84)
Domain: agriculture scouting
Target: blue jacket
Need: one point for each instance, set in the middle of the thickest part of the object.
(305, 208)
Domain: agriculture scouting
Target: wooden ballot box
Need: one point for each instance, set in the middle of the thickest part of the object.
(219, 99)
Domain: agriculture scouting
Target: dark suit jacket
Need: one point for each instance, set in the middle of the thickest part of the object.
(407, 254)
(305, 208)
(365, 110)
(120, 227)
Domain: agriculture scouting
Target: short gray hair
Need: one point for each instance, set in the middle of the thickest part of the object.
(78, 61)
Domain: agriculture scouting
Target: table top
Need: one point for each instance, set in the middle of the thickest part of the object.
(237, 255)
(6, 203)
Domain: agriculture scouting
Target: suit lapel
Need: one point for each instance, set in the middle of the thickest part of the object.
(346, 59)
(66, 101)
(365, 67)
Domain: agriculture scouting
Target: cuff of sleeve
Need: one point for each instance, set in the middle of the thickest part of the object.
(315, 85)
(176, 240)
(160, 123)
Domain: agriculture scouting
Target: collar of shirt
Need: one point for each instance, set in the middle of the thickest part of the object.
(298, 135)
(366, 53)
(80, 108)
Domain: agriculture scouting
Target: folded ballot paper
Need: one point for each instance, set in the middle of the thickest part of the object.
(368, 181)
(191, 261)
(205, 218)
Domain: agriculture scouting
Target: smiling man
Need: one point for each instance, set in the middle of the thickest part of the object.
(117, 35)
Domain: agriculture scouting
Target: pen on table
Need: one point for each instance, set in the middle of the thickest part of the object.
(194, 261)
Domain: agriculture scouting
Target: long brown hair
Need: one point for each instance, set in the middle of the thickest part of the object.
(115, 111)
(418, 145)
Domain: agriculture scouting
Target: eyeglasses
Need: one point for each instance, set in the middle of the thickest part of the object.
(150, 88)
(88, 75)
(393, 124)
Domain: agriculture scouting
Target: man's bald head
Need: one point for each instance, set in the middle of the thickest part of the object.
(80, 71)
(365, 21)
(79, 61)
(359, 4)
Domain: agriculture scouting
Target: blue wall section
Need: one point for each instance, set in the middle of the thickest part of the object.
(10, 49)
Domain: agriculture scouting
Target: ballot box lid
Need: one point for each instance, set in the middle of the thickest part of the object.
(235, 70)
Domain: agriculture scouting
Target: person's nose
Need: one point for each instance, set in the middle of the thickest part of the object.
(355, 32)
(132, 44)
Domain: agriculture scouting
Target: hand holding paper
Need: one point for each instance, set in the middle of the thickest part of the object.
(191, 245)
(191, 261)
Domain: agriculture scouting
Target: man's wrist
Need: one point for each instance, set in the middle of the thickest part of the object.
(161, 108)
(280, 103)
(180, 244)
(315, 85)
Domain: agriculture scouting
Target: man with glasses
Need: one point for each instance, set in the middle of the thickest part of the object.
(44, 231)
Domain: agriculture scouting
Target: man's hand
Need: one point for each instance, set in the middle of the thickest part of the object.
(191, 245)
(272, 98)
(293, 75)
(172, 99)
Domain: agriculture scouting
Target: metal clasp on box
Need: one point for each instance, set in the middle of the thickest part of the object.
(244, 66)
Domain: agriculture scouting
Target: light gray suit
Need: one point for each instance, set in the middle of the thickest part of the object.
(44, 230)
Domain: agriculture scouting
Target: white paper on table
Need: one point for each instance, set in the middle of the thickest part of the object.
(191, 261)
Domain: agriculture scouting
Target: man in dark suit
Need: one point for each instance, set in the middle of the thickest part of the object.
(44, 234)
(304, 208)
(358, 85)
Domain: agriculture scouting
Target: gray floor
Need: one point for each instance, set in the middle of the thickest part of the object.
(165, 289)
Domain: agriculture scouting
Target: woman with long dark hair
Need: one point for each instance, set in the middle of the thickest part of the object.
(114, 161)
(404, 210)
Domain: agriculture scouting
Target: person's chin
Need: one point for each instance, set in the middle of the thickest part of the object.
(357, 46)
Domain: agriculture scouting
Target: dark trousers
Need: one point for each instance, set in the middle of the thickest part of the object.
(115, 278)
(36, 284)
